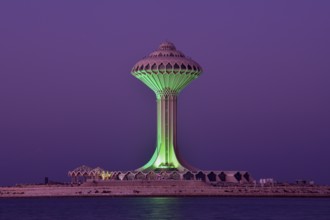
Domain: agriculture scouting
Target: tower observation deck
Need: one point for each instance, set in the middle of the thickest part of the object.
(166, 71)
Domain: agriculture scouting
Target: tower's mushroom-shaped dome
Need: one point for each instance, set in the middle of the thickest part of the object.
(166, 59)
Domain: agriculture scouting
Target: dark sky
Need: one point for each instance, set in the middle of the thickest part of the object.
(67, 97)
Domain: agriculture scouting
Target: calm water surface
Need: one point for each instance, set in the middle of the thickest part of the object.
(164, 208)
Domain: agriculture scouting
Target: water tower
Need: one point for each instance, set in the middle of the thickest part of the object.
(166, 71)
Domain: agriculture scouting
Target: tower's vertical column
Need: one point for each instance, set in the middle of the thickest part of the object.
(174, 122)
(159, 128)
(166, 134)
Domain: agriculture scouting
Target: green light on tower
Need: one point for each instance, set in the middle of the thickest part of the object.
(166, 71)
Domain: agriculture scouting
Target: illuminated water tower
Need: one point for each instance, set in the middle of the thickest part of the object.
(166, 71)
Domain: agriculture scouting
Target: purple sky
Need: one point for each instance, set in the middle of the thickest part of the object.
(67, 97)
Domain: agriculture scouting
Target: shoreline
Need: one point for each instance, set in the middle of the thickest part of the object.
(163, 189)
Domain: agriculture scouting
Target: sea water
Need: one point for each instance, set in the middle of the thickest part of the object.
(87, 208)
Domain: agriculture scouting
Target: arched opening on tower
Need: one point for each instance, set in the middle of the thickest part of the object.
(161, 66)
(154, 67)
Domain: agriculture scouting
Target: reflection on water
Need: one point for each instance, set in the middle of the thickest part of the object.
(164, 208)
(157, 208)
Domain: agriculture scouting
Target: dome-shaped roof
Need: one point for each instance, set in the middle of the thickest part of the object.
(166, 45)
(167, 57)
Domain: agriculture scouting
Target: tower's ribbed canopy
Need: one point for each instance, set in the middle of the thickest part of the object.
(167, 59)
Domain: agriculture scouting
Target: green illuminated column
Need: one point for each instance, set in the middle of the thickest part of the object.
(165, 156)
